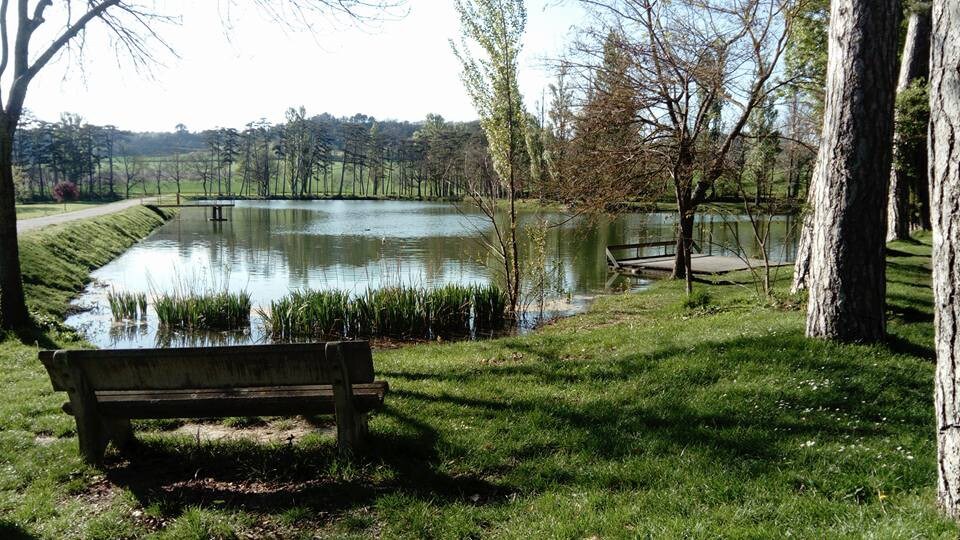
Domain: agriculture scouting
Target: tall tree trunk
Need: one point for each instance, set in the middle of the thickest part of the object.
(682, 263)
(801, 266)
(945, 197)
(13, 305)
(914, 64)
(847, 268)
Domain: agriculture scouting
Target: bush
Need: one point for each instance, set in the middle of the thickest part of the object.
(697, 300)
(65, 191)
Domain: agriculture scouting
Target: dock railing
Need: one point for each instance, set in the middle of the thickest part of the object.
(639, 248)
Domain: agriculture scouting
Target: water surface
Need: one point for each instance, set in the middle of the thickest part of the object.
(269, 248)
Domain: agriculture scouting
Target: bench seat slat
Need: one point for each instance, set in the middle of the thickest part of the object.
(213, 367)
(263, 401)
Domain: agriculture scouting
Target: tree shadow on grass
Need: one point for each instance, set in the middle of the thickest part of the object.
(629, 406)
(12, 531)
(900, 345)
(893, 252)
(909, 314)
(909, 269)
(672, 418)
(909, 283)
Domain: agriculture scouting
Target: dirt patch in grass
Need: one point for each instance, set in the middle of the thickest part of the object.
(99, 492)
(287, 430)
(45, 440)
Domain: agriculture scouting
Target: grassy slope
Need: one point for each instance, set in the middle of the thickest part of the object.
(57, 261)
(640, 417)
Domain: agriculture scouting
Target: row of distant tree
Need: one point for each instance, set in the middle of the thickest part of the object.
(304, 156)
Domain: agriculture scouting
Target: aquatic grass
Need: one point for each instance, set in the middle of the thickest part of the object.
(401, 312)
(359, 314)
(307, 313)
(449, 310)
(489, 307)
(204, 311)
(127, 306)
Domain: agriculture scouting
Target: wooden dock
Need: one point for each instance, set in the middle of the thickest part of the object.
(657, 264)
(217, 207)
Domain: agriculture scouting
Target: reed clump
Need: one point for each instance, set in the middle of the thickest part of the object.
(307, 313)
(204, 311)
(489, 307)
(449, 309)
(127, 306)
(400, 312)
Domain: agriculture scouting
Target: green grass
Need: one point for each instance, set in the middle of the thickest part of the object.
(35, 210)
(221, 310)
(644, 417)
(57, 261)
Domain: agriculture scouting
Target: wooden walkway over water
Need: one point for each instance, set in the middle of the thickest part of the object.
(657, 264)
(217, 207)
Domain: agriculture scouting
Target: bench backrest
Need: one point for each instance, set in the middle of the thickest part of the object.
(210, 367)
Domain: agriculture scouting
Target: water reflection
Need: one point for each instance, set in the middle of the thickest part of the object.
(271, 247)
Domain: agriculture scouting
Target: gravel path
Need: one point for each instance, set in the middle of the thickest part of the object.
(32, 224)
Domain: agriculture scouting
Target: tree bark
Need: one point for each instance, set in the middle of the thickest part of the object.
(914, 64)
(847, 279)
(945, 197)
(801, 267)
(13, 306)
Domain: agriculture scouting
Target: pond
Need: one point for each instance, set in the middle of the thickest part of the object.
(270, 248)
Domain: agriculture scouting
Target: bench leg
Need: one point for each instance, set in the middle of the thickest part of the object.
(351, 433)
(120, 433)
(360, 430)
(92, 435)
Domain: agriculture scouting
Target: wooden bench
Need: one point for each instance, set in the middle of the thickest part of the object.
(108, 388)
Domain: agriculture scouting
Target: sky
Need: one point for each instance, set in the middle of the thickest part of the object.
(398, 69)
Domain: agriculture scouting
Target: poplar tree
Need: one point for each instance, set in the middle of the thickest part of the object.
(496, 28)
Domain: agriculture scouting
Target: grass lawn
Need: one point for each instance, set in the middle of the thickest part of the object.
(35, 210)
(641, 418)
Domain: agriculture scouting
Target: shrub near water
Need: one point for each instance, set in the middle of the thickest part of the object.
(208, 311)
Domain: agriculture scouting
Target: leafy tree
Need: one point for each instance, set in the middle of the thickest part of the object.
(496, 27)
(910, 148)
(684, 57)
(65, 191)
